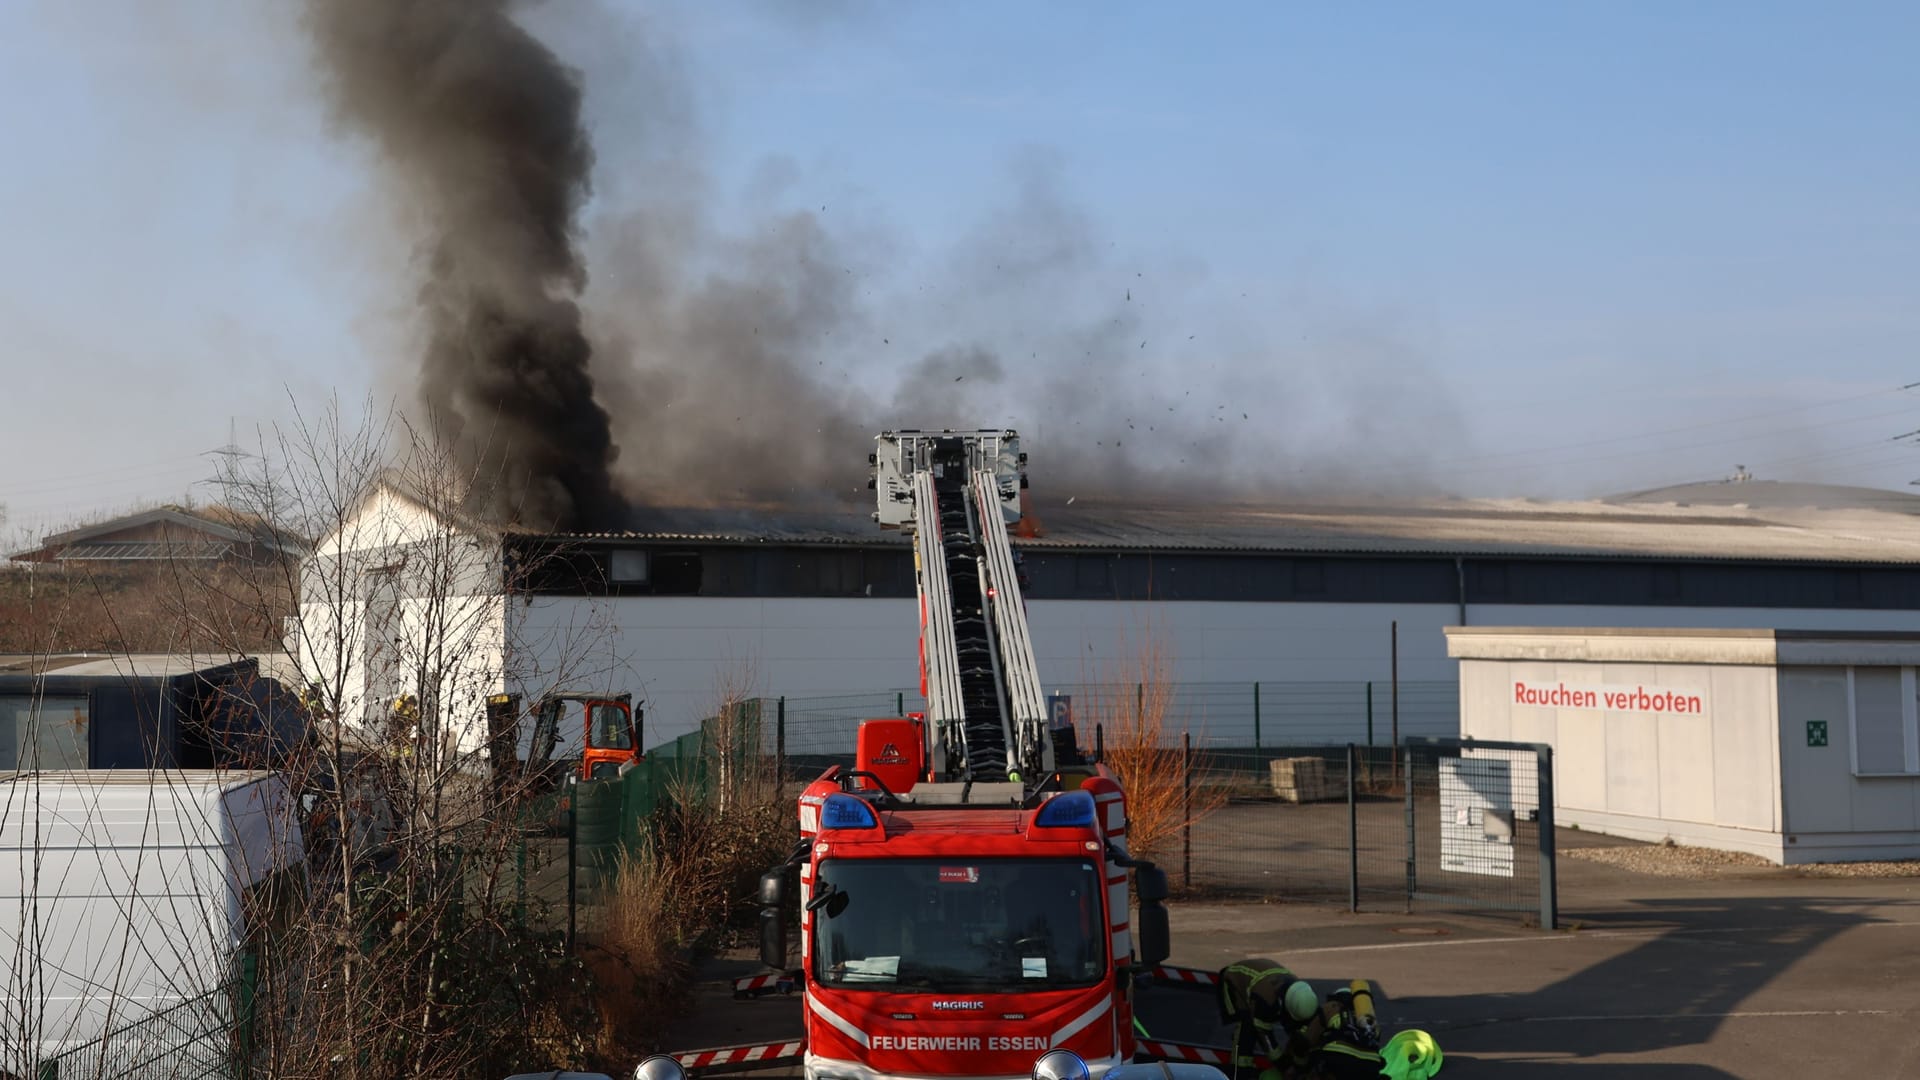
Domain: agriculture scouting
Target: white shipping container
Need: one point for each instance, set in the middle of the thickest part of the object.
(121, 894)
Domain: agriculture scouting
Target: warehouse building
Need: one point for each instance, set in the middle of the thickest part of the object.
(1243, 605)
(1799, 746)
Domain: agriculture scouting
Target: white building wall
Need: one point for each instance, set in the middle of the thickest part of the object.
(441, 625)
(679, 656)
(326, 647)
(1830, 812)
(458, 645)
(675, 653)
(1710, 779)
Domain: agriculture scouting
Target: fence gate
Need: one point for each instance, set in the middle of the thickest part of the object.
(1479, 825)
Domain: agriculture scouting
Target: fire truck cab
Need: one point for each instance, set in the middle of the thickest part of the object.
(960, 930)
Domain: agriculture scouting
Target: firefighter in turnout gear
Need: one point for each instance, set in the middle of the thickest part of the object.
(1330, 1040)
(403, 727)
(1255, 995)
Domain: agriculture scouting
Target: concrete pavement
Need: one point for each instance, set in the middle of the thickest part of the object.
(1753, 973)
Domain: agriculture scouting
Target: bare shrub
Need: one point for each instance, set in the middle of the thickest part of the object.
(421, 952)
(1132, 707)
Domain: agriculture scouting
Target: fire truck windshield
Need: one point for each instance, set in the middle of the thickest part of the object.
(987, 925)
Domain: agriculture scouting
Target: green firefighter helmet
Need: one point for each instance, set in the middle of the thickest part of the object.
(1301, 1001)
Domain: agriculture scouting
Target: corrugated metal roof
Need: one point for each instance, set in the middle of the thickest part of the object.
(144, 550)
(114, 665)
(201, 779)
(1462, 527)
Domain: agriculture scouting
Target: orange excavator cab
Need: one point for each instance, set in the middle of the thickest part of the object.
(603, 729)
(612, 737)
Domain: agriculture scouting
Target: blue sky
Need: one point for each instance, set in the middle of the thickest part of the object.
(1554, 250)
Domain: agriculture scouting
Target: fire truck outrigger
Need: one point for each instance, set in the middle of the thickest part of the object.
(962, 890)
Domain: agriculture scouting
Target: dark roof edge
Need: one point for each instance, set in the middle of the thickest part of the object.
(1138, 548)
(1746, 633)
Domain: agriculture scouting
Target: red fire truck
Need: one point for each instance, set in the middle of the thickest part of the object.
(962, 891)
(959, 933)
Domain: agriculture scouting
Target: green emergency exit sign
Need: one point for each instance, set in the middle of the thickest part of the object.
(1816, 733)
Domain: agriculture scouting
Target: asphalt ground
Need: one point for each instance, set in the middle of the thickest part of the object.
(1749, 973)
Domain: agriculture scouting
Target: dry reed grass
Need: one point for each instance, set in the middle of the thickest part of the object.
(1133, 708)
(688, 886)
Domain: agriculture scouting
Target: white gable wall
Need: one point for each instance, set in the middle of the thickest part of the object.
(396, 600)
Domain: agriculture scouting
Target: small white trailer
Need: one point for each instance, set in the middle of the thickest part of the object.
(126, 897)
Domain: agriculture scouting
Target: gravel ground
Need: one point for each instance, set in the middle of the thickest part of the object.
(1679, 861)
(1663, 860)
(1902, 868)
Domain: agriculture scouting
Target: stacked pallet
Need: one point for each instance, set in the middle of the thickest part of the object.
(1301, 779)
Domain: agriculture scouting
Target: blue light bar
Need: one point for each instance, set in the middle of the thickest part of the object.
(1068, 810)
(847, 812)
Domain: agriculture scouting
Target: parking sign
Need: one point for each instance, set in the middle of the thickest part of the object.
(1059, 711)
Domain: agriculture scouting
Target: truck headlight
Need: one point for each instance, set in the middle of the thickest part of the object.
(1061, 1065)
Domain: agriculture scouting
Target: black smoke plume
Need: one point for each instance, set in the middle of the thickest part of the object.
(479, 126)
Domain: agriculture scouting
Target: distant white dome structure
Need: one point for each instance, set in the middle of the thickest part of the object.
(1743, 490)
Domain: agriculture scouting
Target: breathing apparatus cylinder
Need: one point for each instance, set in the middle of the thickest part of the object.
(1364, 1017)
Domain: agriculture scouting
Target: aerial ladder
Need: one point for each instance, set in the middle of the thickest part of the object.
(955, 493)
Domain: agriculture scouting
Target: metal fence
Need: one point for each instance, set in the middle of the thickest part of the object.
(1330, 829)
(806, 733)
(1438, 824)
(195, 1038)
(1481, 825)
(1281, 793)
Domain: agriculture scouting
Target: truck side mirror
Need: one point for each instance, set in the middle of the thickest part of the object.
(773, 919)
(1155, 937)
(1151, 883)
(773, 938)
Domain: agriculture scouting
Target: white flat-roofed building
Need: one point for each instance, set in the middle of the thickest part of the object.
(1800, 746)
(822, 603)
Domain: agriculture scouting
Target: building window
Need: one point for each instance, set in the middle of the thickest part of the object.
(1885, 715)
(676, 573)
(627, 566)
(39, 732)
